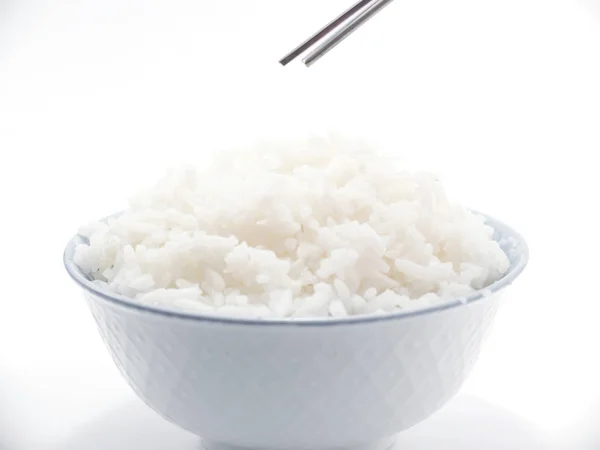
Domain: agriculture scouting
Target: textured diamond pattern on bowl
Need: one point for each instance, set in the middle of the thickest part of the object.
(284, 386)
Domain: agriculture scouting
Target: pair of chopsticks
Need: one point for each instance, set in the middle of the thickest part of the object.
(345, 24)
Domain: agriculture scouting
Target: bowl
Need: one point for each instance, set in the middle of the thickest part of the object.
(343, 383)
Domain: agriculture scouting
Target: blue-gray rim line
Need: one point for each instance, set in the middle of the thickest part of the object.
(120, 300)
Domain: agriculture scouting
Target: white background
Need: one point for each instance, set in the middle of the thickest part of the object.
(502, 98)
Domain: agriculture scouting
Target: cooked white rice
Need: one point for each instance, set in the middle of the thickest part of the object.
(294, 229)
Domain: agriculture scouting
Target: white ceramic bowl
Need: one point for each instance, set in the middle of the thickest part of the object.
(325, 383)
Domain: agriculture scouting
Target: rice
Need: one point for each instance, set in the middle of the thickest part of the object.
(294, 229)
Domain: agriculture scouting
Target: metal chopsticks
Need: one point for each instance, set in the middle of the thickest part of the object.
(345, 24)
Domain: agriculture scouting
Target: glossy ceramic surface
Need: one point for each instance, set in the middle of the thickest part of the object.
(337, 383)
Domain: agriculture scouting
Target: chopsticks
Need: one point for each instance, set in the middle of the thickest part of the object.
(345, 24)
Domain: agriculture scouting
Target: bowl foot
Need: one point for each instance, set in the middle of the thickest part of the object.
(383, 444)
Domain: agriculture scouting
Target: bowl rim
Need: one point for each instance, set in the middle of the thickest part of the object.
(516, 268)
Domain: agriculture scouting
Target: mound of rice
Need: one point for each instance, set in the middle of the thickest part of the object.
(294, 229)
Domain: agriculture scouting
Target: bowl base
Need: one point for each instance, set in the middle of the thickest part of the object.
(383, 444)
